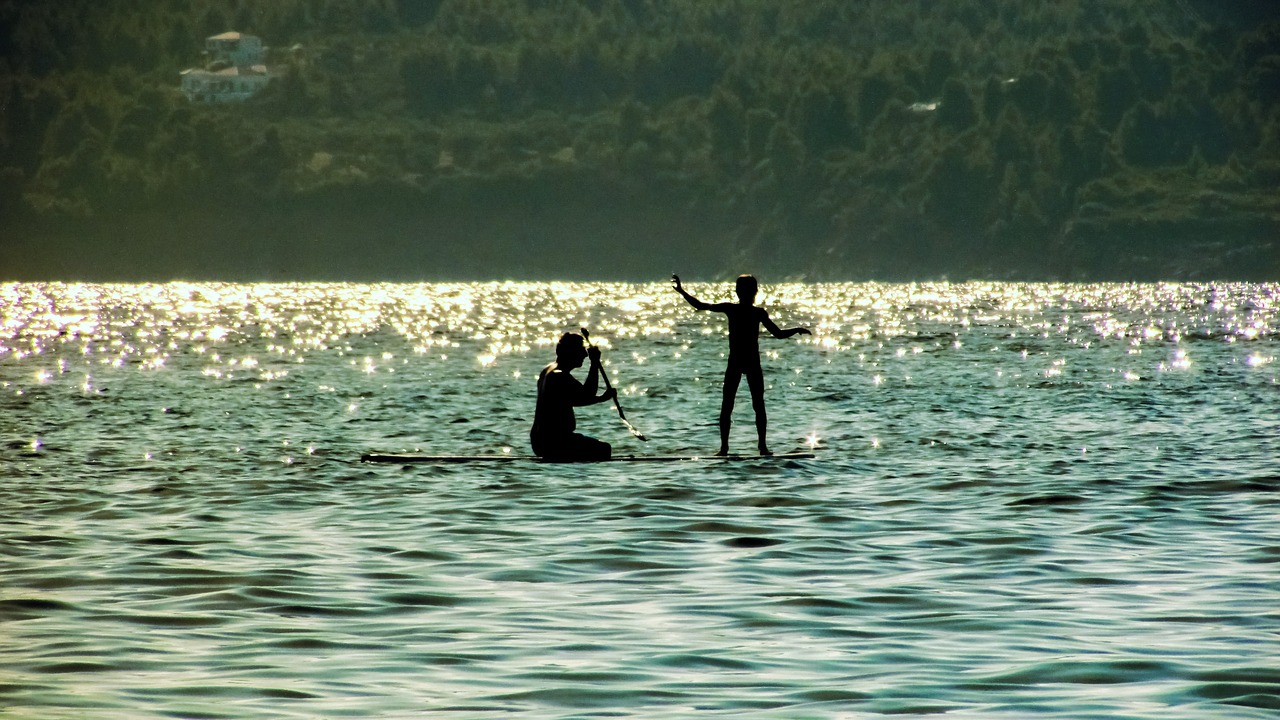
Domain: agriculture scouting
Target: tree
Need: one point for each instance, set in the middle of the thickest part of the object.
(873, 97)
(416, 13)
(1143, 139)
(958, 191)
(957, 110)
(786, 154)
(823, 118)
(727, 120)
(295, 93)
(427, 78)
(1115, 91)
(760, 123)
(940, 69)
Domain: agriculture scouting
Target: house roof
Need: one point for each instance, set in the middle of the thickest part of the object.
(247, 71)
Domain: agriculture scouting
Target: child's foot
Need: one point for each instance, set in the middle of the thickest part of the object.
(723, 451)
(764, 450)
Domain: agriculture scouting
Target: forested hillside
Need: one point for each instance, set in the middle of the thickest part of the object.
(829, 139)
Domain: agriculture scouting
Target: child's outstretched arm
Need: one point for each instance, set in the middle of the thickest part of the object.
(695, 302)
(778, 332)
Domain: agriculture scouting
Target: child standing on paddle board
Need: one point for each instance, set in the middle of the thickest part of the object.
(745, 319)
(552, 435)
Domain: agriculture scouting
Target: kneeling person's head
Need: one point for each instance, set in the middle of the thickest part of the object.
(571, 350)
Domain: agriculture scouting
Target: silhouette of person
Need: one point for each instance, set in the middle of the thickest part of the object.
(553, 435)
(745, 319)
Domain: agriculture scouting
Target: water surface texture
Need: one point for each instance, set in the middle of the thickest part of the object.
(1051, 501)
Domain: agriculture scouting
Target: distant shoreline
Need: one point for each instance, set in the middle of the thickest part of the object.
(632, 244)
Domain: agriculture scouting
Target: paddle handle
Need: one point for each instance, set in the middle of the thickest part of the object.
(604, 376)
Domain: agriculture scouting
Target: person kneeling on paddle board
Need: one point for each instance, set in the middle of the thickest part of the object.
(553, 436)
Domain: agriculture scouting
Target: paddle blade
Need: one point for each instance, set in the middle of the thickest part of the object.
(639, 435)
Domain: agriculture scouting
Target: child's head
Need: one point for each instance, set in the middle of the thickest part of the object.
(746, 288)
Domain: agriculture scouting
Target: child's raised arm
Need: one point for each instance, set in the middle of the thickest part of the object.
(695, 302)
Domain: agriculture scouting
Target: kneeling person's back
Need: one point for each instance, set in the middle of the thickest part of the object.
(554, 435)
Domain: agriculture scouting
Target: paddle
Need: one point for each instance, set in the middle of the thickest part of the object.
(587, 336)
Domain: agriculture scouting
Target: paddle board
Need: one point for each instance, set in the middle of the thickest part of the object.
(418, 458)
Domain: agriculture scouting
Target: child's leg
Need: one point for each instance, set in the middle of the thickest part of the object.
(732, 376)
(755, 382)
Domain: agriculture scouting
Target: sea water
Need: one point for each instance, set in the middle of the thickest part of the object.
(1051, 501)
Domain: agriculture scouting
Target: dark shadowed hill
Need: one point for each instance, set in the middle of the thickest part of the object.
(434, 139)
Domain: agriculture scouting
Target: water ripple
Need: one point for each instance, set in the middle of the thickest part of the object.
(1029, 500)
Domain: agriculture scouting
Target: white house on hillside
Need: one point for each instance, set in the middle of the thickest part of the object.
(234, 70)
(231, 84)
(235, 48)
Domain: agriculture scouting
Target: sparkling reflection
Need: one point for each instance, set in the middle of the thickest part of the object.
(231, 332)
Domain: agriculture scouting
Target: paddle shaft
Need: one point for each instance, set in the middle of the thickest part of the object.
(609, 386)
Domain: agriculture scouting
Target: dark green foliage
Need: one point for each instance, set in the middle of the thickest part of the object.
(824, 120)
(957, 110)
(873, 97)
(416, 13)
(877, 138)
